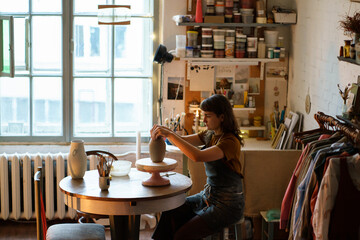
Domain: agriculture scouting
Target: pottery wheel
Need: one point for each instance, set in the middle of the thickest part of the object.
(146, 165)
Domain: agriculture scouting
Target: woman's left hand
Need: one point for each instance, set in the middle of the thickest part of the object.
(160, 131)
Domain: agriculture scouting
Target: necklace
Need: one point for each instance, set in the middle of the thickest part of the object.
(219, 139)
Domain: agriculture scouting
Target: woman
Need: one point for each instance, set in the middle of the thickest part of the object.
(221, 203)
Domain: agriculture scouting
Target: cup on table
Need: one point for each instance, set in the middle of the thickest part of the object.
(104, 183)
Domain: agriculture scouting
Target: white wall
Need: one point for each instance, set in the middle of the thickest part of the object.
(314, 67)
(175, 68)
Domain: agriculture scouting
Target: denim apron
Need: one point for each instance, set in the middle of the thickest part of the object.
(221, 203)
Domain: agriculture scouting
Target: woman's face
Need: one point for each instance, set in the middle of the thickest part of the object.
(212, 121)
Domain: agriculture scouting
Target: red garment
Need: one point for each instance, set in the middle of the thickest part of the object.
(289, 193)
(344, 219)
(290, 190)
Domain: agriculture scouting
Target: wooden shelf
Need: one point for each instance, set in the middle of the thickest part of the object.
(193, 24)
(244, 109)
(261, 128)
(229, 61)
(349, 60)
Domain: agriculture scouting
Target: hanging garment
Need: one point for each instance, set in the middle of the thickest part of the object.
(328, 191)
(344, 219)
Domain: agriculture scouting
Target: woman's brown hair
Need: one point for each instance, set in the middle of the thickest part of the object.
(219, 104)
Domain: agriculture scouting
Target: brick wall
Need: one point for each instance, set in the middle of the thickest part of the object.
(314, 67)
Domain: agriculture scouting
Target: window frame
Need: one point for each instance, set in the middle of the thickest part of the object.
(68, 80)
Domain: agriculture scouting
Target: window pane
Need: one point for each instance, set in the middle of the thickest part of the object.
(132, 105)
(47, 48)
(92, 107)
(5, 32)
(88, 6)
(46, 6)
(19, 42)
(14, 100)
(140, 7)
(91, 47)
(133, 48)
(14, 6)
(47, 105)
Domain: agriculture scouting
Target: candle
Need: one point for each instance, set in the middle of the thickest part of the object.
(138, 145)
(197, 121)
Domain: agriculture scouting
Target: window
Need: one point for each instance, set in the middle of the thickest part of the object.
(73, 77)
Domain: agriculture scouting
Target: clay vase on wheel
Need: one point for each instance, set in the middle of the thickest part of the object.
(157, 150)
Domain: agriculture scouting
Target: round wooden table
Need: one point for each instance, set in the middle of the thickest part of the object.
(125, 200)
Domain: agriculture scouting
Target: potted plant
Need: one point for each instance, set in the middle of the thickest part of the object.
(351, 25)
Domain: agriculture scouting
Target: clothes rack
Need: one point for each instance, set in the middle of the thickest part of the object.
(327, 122)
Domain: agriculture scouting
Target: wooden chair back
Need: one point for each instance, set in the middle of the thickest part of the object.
(39, 206)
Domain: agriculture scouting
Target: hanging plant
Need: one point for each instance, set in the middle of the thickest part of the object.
(351, 24)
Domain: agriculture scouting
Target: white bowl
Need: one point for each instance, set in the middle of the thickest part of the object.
(120, 168)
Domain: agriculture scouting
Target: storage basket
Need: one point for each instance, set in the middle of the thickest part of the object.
(281, 17)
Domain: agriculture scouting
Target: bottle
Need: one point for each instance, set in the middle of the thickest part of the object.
(260, 8)
(280, 42)
(261, 48)
(357, 52)
(347, 48)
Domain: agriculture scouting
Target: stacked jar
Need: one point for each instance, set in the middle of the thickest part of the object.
(210, 8)
(219, 42)
(261, 53)
(219, 8)
(247, 15)
(240, 45)
(229, 43)
(207, 43)
(247, 4)
(252, 47)
(192, 43)
(229, 7)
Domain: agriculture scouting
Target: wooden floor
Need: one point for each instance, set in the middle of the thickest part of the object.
(26, 230)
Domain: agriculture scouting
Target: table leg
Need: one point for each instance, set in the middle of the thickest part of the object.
(125, 227)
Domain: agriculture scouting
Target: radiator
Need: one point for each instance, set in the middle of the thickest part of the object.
(17, 185)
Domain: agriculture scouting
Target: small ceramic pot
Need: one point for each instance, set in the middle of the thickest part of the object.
(104, 183)
(157, 150)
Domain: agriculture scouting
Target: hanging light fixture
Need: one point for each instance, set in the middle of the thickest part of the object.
(114, 14)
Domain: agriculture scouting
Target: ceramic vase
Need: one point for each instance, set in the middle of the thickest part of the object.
(157, 150)
(199, 14)
(77, 159)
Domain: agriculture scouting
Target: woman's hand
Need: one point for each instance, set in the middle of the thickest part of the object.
(160, 131)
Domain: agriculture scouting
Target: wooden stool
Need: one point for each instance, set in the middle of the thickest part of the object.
(267, 227)
(225, 231)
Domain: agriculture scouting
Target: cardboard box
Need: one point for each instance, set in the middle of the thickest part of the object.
(285, 17)
(214, 19)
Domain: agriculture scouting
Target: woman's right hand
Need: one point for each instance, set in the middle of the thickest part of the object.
(160, 131)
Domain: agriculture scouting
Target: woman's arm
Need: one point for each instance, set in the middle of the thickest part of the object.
(209, 154)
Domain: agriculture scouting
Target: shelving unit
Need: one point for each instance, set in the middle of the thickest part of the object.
(244, 109)
(229, 61)
(253, 128)
(256, 68)
(349, 60)
(193, 24)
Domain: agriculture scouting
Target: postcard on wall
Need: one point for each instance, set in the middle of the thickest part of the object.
(202, 77)
(175, 88)
(225, 71)
(241, 74)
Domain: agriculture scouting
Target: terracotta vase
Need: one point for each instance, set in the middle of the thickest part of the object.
(77, 159)
(157, 150)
